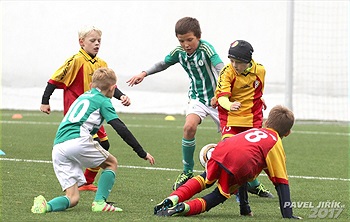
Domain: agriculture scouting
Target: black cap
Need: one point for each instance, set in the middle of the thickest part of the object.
(241, 50)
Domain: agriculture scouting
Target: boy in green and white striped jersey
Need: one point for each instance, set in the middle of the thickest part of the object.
(202, 64)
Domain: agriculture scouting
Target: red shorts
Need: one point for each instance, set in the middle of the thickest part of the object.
(226, 182)
(229, 131)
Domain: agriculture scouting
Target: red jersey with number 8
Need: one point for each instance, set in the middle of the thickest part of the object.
(246, 154)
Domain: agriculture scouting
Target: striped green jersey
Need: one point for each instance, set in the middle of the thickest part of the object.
(200, 67)
(85, 116)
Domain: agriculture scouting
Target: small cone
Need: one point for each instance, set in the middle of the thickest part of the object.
(17, 116)
(2, 153)
(169, 118)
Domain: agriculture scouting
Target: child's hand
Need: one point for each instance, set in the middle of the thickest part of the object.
(137, 79)
(45, 108)
(150, 158)
(214, 102)
(125, 100)
(235, 106)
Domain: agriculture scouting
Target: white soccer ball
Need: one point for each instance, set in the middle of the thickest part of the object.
(205, 153)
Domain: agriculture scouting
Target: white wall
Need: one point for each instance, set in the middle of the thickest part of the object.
(38, 36)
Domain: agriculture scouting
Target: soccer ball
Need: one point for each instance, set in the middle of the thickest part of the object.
(205, 153)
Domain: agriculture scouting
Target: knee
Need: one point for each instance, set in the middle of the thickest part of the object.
(112, 163)
(190, 129)
(213, 199)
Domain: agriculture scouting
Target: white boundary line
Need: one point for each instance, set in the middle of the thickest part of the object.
(171, 169)
(179, 127)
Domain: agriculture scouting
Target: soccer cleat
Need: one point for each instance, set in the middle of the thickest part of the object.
(101, 206)
(88, 187)
(261, 191)
(166, 203)
(40, 205)
(177, 210)
(182, 179)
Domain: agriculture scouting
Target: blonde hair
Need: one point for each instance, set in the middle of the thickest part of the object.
(83, 32)
(280, 119)
(103, 78)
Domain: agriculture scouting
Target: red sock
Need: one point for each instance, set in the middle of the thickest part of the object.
(190, 188)
(90, 174)
(197, 206)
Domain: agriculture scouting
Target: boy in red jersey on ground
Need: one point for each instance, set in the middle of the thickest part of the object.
(74, 77)
(234, 162)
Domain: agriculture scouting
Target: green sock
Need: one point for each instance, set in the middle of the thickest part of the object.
(58, 204)
(105, 184)
(188, 147)
(254, 183)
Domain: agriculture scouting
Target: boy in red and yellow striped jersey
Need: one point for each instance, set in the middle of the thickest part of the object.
(75, 77)
(234, 162)
(239, 93)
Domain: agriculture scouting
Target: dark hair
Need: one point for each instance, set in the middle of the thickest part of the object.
(280, 119)
(186, 25)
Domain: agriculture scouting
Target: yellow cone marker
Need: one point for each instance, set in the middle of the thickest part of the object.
(170, 118)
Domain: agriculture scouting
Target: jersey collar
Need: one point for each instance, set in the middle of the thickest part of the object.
(87, 56)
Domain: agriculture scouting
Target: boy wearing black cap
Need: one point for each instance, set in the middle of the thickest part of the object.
(239, 94)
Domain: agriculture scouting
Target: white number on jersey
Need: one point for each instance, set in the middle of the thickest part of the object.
(255, 136)
(73, 115)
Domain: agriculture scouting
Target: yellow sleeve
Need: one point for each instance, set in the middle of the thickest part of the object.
(224, 102)
(226, 77)
(276, 164)
(67, 72)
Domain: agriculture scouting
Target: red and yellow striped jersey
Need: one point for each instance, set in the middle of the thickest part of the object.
(246, 89)
(75, 76)
(246, 154)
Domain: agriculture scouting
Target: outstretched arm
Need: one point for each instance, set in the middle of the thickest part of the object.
(158, 67)
(129, 138)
